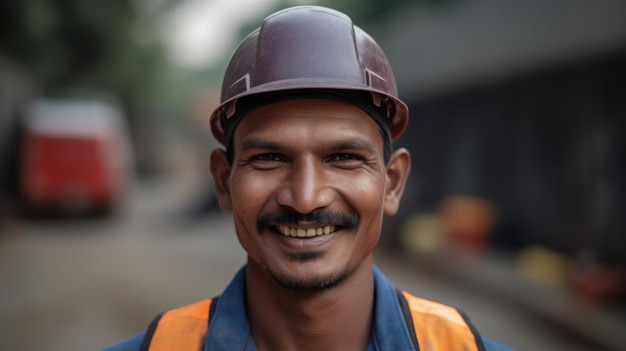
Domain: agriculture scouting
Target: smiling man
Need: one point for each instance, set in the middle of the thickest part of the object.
(308, 114)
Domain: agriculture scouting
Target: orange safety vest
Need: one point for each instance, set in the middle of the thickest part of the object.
(433, 326)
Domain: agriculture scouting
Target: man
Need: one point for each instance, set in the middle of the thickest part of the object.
(309, 110)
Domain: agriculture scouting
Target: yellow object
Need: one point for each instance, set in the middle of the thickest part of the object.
(543, 266)
(423, 232)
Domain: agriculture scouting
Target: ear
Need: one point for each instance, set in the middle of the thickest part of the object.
(398, 169)
(220, 169)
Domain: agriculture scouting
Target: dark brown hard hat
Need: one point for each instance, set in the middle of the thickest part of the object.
(308, 48)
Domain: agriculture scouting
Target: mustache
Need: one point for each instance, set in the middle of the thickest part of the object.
(290, 217)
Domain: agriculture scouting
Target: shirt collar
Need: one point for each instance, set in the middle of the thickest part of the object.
(390, 330)
(229, 328)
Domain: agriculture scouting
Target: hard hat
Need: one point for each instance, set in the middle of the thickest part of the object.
(307, 48)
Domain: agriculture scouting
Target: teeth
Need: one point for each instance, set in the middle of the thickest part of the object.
(308, 233)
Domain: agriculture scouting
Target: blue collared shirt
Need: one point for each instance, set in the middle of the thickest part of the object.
(229, 328)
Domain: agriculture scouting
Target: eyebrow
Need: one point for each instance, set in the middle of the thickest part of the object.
(354, 144)
(252, 144)
(350, 144)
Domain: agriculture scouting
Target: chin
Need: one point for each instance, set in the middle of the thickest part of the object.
(315, 284)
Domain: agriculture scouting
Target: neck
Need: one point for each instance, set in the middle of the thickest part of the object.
(338, 318)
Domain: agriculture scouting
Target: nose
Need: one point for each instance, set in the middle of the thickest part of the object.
(306, 187)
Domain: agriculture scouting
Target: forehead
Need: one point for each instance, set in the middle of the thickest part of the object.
(315, 119)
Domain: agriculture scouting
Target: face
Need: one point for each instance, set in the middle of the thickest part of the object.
(308, 187)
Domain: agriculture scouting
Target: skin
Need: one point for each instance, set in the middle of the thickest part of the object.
(306, 156)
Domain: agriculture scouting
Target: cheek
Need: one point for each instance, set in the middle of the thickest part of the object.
(246, 207)
(250, 194)
(249, 191)
(365, 193)
(367, 198)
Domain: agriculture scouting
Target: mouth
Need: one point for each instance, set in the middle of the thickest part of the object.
(296, 232)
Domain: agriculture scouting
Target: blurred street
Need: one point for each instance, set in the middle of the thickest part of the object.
(513, 211)
(88, 283)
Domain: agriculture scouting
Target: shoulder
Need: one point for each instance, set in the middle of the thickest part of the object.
(424, 308)
(132, 344)
(190, 319)
(421, 308)
(491, 345)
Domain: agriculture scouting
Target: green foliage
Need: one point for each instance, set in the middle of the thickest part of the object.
(366, 12)
(82, 44)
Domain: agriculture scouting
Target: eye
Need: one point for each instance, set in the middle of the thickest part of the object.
(346, 160)
(269, 157)
(345, 157)
(266, 161)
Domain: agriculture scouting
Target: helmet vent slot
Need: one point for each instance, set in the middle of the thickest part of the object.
(239, 86)
(374, 80)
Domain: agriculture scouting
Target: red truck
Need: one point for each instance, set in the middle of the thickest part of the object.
(76, 156)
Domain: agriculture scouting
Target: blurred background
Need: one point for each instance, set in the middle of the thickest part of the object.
(514, 212)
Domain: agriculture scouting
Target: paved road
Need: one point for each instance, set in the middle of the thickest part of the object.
(84, 284)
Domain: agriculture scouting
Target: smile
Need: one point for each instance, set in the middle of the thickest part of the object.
(305, 233)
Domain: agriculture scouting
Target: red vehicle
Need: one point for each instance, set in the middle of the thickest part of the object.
(75, 156)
